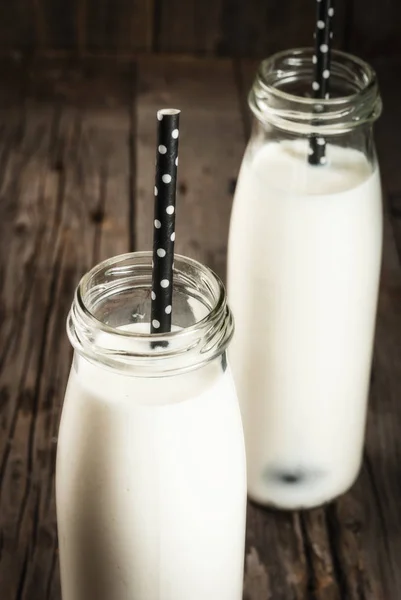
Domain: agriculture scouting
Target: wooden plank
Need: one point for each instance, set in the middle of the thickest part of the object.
(224, 27)
(119, 27)
(67, 182)
(107, 27)
(351, 546)
(17, 27)
(240, 29)
(394, 207)
(245, 76)
(374, 29)
(189, 27)
(388, 140)
(59, 22)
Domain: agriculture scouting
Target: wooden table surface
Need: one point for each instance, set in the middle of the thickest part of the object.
(77, 146)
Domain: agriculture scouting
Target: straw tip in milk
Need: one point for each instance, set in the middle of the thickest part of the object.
(167, 111)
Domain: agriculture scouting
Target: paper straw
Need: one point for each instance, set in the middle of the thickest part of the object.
(164, 219)
(321, 60)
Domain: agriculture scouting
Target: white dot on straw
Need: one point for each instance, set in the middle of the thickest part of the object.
(175, 133)
(162, 149)
(323, 160)
(172, 236)
(327, 96)
(166, 178)
(176, 162)
(157, 223)
(161, 252)
(320, 141)
(170, 210)
(315, 85)
(331, 34)
(324, 48)
(310, 151)
(314, 59)
(321, 24)
(164, 283)
(159, 115)
(153, 295)
(326, 74)
(330, 12)
(156, 191)
(167, 310)
(156, 323)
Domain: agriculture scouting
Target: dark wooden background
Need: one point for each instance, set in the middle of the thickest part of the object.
(246, 28)
(76, 174)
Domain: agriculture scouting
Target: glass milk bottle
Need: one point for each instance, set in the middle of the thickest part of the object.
(151, 473)
(303, 273)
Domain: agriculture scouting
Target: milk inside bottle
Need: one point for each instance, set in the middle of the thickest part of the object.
(303, 273)
(151, 489)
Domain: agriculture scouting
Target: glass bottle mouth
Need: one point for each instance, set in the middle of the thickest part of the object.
(282, 94)
(109, 321)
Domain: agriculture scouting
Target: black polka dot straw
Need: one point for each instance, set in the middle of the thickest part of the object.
(321, 78)
(164, 219)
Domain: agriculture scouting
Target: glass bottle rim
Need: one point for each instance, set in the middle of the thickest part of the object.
(177, 350)
(272, 103)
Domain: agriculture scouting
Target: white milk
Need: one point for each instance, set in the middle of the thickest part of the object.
(151, 488)
(304, 262)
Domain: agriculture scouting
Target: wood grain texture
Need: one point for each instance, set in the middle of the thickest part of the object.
(211, 27)
(17, 26)
(57, 25)
(63, 189)
(258, 29)
(118, 27)
(389, 141)
(77, 27)
(375, 28)
(189, 27)
(242, 29)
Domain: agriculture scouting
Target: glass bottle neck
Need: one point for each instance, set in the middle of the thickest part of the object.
(109, 321)
(281, 96)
